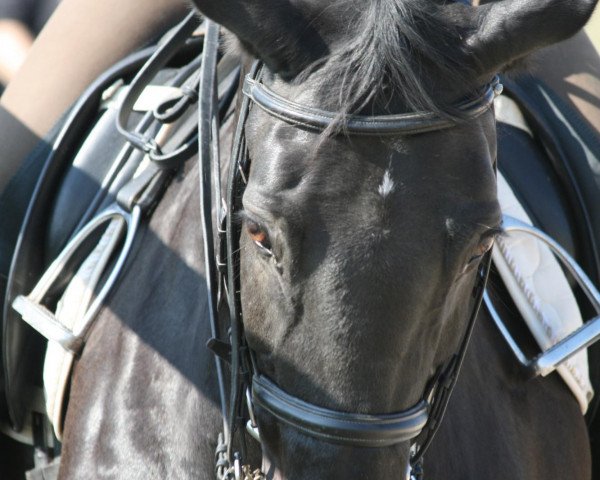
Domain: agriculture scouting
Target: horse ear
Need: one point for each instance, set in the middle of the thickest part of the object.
(507, 30)
(276, 32)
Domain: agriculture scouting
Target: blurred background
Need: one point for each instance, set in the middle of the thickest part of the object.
(593, 29)
(20, 22)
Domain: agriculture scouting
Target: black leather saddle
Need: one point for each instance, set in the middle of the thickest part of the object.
(559, 163)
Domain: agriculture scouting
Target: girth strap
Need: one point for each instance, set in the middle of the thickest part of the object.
(355, 429)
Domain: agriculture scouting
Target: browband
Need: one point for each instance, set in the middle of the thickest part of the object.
(398, 124)
(355, 429)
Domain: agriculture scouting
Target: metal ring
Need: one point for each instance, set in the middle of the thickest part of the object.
(511, 224)
(159, 59)
(549, 360)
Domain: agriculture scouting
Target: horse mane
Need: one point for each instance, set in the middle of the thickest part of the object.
(400, 45)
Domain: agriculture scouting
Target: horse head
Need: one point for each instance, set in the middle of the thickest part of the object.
(360, 245)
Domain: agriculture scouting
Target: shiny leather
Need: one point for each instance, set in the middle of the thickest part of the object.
(576, 175)
(355, 429)
(423, 419)
(401, 124)
(78, 181)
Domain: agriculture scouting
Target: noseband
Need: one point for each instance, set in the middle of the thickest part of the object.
(249, 388)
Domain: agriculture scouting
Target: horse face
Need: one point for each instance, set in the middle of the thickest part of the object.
(357, 263)
(358, 255)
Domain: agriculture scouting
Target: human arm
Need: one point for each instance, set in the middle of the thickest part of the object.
(81, 40)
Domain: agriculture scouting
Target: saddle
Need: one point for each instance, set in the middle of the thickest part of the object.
(572, 152)
(83, 216)
(545, 151)
(92, 176)
(40, 179)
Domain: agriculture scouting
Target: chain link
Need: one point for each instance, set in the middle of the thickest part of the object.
(416, 471)
(246, 474)
(225, 471)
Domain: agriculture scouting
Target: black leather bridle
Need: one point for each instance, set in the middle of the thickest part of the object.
(417, 424)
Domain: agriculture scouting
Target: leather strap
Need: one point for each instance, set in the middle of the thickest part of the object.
(355, 429)
(380, 125)
(19, 342)
(417, 424)
(158, 60)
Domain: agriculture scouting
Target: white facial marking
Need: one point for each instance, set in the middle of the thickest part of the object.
(450, 226)
(387, 184)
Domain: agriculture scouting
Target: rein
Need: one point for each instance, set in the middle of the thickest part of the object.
(417, 424)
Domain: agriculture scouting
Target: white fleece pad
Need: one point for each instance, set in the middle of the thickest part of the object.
(71, 312)
(536, 281)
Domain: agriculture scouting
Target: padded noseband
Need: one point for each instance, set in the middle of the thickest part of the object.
(354, 429)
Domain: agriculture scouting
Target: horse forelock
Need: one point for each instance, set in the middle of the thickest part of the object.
(399, 50)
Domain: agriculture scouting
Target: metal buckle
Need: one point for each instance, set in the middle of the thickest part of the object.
(251, 425)
(547, 361)
(39, 317)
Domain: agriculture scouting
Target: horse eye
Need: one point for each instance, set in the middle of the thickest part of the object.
(482, 249)
(259, 236)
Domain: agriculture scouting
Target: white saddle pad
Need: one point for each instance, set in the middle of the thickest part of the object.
(70, 312)
(536, 282)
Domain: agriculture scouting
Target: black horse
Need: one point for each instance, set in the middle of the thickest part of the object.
(359, 255)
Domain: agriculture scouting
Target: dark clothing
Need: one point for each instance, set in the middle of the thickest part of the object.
(32, 13)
